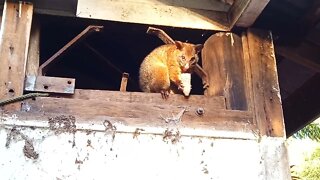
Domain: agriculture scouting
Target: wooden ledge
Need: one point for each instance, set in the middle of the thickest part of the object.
(141, 110)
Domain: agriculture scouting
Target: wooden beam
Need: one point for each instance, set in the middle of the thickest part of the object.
(34, 49)
(303, 106)
(247, 69)
(14, 34)
(216, 102)
(142, 115)
(252, 11)
(266, 91)
(306, 55)
(236, 10)
(186, 14)
(222, 60)
(55, 8)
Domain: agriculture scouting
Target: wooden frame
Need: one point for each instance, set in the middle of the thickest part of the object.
(244, 101)
(239, 119)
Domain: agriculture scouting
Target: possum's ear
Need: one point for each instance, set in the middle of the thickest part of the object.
(198, 47)
(179, 44)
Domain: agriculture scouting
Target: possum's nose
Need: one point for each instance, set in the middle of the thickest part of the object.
(185, 68)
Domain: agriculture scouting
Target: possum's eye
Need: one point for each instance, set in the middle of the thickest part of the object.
(183, 58)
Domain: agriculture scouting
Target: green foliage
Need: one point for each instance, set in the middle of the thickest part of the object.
(311, 167)
(311, 131)
(310, 170)
(315, 155)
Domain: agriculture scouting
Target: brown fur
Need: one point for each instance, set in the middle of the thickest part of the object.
(162, 68)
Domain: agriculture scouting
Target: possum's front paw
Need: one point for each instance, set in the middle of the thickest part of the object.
(180, 87)
(164, 94)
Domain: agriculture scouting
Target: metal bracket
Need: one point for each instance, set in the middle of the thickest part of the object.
(70, 44)
(49, 84)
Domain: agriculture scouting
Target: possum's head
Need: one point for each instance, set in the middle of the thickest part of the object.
(188, 56)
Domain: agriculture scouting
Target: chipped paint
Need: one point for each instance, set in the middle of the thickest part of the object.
(96, 125)
(100, 154)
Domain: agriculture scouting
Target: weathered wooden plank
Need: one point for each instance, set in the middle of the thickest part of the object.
(251, 12)
(213, 5)
(247, 69)
(34, 49)
(266, 92)
(50, 84)
(222, 60)
(155, 13)
(15, 32)
(143, 114)
(216, 102)
(237, 8)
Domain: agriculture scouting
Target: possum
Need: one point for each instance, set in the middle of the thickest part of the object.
(160, 71)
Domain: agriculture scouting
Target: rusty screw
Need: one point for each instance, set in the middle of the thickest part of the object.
(200, 111)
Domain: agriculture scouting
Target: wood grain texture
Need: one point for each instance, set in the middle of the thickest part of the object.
(222, 59)
(247, 69)
(213, 5)
(186, 14)
(236, 10)
(155, 98)
(251, 12)
(266, 92)
(15, 32)
(142, 114)
(34, 49)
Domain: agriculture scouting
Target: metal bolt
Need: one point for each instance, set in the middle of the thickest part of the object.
(200, 111)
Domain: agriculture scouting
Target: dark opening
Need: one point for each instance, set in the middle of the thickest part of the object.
(124, 45)
(11, 90)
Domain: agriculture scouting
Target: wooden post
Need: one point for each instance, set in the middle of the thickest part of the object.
(265, 86)
(14, 34)
(34, 49)
(124, 81)
(222, 59)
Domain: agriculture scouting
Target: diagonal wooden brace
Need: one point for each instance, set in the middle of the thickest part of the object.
(70, 44)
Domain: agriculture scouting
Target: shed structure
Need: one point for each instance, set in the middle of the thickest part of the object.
(232, 129)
